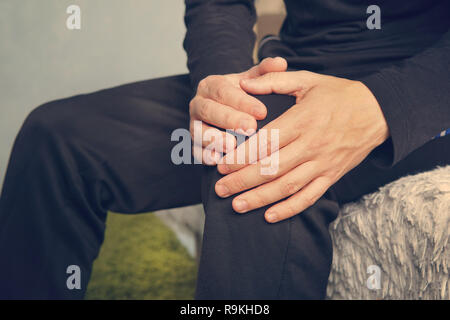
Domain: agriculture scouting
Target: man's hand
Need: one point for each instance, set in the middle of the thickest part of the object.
(221, 102)
(333, 126)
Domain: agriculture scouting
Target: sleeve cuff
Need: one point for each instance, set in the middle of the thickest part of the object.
(395, 147)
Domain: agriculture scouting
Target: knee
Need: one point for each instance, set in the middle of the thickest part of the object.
(52, 119)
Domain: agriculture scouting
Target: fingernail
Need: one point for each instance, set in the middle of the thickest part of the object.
(271, 216)
(222, 190)
(240, 205)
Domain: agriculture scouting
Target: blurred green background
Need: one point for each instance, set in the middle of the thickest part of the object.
(141, 258)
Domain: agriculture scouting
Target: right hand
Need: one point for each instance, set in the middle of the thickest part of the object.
(221, 102)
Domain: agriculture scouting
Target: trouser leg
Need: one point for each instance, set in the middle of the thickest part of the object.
(73, 160)
(244, 257)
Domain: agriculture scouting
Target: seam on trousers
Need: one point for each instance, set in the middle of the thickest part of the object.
(285, 258)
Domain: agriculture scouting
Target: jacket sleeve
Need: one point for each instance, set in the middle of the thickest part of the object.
(219, 37)
(415, 99)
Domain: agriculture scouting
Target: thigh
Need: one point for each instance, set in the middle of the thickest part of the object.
(117, 142)
(73, 160)
(141, 118)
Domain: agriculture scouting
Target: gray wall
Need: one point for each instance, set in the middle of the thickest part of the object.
(120, 41)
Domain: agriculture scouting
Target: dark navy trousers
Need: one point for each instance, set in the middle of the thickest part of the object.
(78, 158)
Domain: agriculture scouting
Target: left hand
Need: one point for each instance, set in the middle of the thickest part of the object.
(333, 126)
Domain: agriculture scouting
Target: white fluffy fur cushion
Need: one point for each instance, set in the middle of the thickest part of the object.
(404, 230)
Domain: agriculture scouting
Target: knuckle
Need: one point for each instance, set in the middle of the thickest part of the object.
(220, 93)
(265, 142)
(309, 201)
(237, 181)
(258, 199)
(227, 119)
(243, 103)
(319, 144)
(290, 188)
(331, 175)
(272, 145)
(202, 85)
(290, 209)
(266, 177)
(203, 111)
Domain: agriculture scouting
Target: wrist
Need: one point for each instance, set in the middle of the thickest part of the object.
(379, 125)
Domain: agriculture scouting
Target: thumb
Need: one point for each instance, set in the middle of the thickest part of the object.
(279, 82)
(276, 64)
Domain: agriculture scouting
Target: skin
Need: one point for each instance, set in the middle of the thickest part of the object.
(221, 102)
(333, 126)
